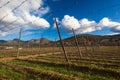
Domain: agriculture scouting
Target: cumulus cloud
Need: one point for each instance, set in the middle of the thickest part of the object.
(112, 33)
(3, 33)
(116, 29)
(42, 11)
(23, 16)
(70, 22)
(106, 22)
(84, 25)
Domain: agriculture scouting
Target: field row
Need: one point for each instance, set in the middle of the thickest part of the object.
(101, 64)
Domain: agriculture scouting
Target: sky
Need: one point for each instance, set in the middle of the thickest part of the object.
(36, 18)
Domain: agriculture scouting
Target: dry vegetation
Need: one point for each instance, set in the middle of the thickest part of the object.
(102, 63)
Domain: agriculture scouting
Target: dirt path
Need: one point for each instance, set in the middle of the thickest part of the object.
(26, 57)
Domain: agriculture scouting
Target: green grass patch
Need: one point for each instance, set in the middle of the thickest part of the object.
(6, 73)
(61, 70)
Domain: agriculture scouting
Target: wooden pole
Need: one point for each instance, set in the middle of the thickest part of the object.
(28, 46)
(61, 42)
(40, 43)
(76, 42)
(90, 46)
(85, 45)
(54, 45)
(19, 43)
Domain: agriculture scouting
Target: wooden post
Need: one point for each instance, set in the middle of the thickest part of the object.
(85, 45)
(61, 42)
(91, 45)
(28, 45)
(54, 45)
(40, 43)
(76, 42)
(19, 43)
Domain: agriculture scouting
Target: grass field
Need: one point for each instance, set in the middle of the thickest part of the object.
(101, 64)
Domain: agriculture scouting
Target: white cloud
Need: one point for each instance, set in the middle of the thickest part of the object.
(70, 22)
(84, 25)
(112, 34)
(26, 33)
(24, 15)
(106, 22)
(3, 33)
(116, 29)
(36, 21)
(42, 11)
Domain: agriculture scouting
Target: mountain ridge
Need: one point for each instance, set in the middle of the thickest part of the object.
(106, 40)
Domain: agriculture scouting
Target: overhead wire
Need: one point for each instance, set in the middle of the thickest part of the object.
(13, 10)
(5, 4)
(16, 19)
(19, 5)
(60, 10)
(5, 26)
(8, 14)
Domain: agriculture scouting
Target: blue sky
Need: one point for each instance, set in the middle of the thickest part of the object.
(92, 10)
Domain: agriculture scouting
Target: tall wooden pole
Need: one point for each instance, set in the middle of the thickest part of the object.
(40, 43)
(61, 42)
(19, 43)
(28, 45)
(85, 45)
(76, 42)
(91, 45)
(54, 45)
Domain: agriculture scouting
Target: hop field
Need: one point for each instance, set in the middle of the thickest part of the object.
(102, 64)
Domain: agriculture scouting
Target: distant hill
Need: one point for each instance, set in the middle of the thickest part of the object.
(32, 42)
(36, 42)
(108, 40)
(84, 39)
(2, 41)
